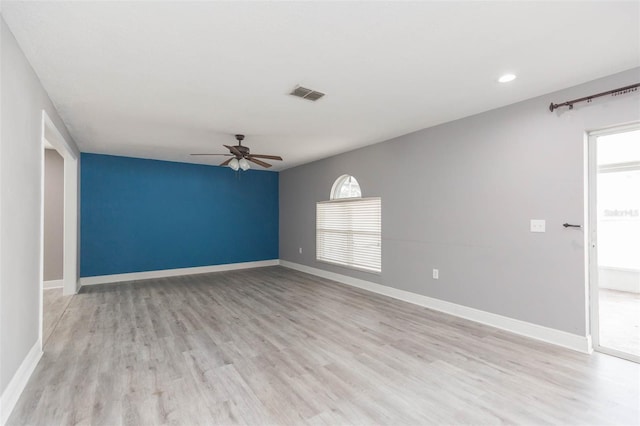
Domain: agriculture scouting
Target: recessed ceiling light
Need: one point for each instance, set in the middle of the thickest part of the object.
(507, 78)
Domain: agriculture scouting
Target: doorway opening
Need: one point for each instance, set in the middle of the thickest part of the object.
(54, 302)
(614, 220)
(58, 226)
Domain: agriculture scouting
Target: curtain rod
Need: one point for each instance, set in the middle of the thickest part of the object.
(615, 92)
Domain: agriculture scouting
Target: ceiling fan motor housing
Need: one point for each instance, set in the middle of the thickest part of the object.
(243, 149)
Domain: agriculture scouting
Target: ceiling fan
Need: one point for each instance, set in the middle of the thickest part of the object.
(241, 155)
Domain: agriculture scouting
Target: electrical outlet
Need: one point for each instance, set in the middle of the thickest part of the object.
(436, 274)
(300, 250)
(538, 225)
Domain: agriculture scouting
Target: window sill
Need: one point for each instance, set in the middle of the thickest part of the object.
(350, 268)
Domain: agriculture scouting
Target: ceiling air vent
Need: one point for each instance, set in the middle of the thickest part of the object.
(304, 93)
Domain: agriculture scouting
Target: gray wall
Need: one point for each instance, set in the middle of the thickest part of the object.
(459, 197)
(22, 101)
(53, 215)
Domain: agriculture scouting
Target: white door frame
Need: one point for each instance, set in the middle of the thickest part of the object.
(592, 235)
(70, 270)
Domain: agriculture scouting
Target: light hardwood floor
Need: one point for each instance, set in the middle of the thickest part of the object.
(55, 304)
(620, 321)
(275, 346)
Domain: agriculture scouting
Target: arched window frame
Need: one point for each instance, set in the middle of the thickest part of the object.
(336, 189)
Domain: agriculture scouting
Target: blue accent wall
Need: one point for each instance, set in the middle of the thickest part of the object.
(145, 215)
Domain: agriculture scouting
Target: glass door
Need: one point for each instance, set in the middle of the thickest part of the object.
(615, 242)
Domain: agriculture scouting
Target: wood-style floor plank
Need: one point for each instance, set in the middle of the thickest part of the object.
(55, 303)
(276, 346)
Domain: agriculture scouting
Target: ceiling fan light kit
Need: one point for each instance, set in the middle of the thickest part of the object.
(242, 155)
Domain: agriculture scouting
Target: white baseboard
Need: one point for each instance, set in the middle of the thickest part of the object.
(620, 279)
(17, 384)
(53, 284)
(523, 328)
(134, 276)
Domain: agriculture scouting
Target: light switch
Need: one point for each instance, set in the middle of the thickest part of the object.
(538, 225)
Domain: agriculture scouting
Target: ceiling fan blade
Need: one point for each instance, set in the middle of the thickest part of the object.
(261, 163)
(233, 150)
(226, 162)
(269, 157)
(226, 155)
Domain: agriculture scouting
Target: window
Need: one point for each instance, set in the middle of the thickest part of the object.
(348, 228)
(346, 186)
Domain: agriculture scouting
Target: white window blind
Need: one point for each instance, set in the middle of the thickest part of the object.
(348, 233)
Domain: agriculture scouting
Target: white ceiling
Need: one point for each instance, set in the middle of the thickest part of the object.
(164, 79)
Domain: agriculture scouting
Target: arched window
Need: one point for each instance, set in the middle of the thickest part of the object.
(346, 186)
(348, 227)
